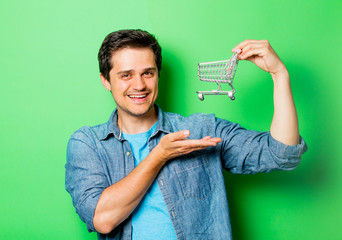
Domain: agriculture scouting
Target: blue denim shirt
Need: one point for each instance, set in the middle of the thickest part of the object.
(192, 186)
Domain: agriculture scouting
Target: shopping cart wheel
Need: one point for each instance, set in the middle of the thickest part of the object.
(231, 95)
(200, 96)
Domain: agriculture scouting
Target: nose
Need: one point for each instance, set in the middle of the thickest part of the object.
(138, 83)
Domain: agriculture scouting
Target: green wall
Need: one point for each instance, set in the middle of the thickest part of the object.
(50, 87)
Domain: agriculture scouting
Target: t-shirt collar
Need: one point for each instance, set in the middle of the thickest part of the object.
(112, 128)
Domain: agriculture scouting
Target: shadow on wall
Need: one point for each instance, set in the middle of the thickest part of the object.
(312, 174)
(165, 81)
(169, 90)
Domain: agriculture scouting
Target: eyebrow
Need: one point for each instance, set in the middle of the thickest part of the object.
(150, 69)
(131, 70)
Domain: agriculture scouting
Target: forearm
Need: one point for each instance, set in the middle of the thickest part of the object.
(119, 200)
(284, 127)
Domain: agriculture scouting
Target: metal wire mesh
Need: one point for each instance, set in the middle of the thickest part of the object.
(218, 71)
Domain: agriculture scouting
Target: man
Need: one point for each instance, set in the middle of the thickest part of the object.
(148, 174)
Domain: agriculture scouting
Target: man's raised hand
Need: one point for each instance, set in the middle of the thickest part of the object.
(261, 54)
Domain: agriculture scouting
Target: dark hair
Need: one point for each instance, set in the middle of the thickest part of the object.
(131, 38)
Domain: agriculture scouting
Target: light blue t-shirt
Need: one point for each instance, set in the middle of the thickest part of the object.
(150, 219)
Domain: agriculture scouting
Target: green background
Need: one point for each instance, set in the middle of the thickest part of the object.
(50, 87)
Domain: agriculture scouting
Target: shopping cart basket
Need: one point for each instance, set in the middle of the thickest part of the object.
(219, 72)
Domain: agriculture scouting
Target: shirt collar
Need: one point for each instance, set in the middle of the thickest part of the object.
(111, 127)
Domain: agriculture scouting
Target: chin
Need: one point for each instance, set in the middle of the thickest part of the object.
(140, 111)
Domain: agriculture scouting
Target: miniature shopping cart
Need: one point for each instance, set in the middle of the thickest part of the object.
(219, 72)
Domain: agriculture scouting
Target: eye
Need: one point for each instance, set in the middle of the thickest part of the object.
(149, 74)
(125, 76)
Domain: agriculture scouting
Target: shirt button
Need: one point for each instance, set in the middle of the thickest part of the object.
(128, 153)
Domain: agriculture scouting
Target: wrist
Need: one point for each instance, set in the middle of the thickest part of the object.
(158, 156)
(281, 75)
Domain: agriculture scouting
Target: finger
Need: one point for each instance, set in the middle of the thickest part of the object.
(187, 146)
(206, 138)
(197, 143)
(198, 148)
(252, 52)
(202, 146)
(250, 47)
(244, 44)
(176, 136)
(216, 139)
(237, 50)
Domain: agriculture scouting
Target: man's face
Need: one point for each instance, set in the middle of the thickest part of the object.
(133, 81)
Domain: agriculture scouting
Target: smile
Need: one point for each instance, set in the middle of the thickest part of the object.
(137, 96)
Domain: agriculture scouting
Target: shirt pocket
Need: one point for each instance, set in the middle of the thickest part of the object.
(195, 176)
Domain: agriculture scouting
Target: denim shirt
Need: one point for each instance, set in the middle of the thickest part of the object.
(192, 186)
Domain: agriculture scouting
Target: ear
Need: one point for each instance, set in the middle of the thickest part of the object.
(105, 82)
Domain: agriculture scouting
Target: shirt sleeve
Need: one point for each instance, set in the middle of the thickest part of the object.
(85, 179)
(248, 151)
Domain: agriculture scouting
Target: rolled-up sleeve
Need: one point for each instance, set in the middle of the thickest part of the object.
(84, 176)
(247, 151)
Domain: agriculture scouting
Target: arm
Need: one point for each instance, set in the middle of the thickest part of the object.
(245, 151)
(284, 127)
(119, 200)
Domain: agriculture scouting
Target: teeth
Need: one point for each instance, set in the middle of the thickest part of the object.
(137, 96)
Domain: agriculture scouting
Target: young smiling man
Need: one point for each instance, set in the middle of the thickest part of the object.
(134, 84)
(148, 174)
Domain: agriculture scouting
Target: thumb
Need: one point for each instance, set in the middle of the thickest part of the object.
(176, 136)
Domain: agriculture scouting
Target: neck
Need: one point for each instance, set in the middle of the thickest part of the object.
(136, 124)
